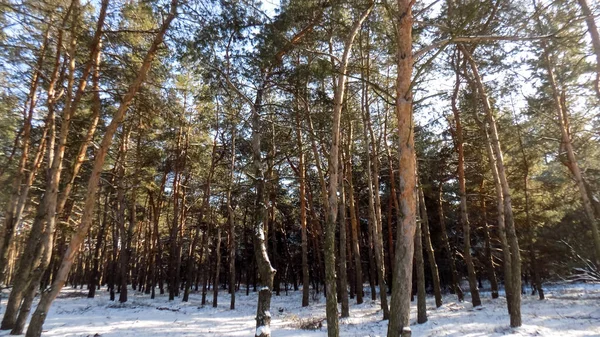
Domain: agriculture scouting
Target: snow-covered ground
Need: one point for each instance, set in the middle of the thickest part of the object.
(570, 310)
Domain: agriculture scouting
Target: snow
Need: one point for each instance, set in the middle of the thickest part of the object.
(263, 330)
(571, 310)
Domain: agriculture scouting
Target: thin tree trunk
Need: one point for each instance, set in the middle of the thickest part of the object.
(420, 267)
(430, 252)
(342, 246)
(489, 263)
(32, 249)
(123, 262)
(354, 221)
(95, 272)
(455, 279)
(231, 220)
(462, 190)
(217, 268)
(302, 181)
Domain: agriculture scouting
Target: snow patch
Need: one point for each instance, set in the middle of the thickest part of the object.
(570, 309)
(263, 330)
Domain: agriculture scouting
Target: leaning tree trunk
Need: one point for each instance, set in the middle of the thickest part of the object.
(40, 314)
(403, 256)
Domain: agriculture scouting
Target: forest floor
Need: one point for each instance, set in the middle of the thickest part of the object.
(569, 310)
